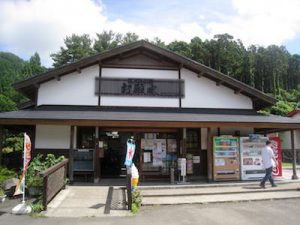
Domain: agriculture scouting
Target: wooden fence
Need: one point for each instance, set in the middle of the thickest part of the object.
(53, 181)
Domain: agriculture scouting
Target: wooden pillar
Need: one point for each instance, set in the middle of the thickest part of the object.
(96, 157)
(71, 154)
(183, 142)
(209, 155)
(1, 143)
(294, 176)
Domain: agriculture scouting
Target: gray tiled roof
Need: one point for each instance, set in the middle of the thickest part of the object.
(144, 116)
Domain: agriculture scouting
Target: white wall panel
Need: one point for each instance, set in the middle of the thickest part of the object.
(73, 89)
(52, 137)
(139, 101)
(204, 93)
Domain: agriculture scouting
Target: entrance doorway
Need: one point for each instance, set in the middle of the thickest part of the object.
(112, 163)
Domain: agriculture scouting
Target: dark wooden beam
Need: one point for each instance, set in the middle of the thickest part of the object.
(209, 155)
(237, 91)
(57, 77)
(218, 83)
(36, 85)
(78, 70)
(200, 74)
(71, 154)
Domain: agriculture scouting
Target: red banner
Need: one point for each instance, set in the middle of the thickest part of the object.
(276, 146)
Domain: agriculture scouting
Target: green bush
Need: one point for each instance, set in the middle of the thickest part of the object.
(6, 174)
(37, 165)
(136, 201)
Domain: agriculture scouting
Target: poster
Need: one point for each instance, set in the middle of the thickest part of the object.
(159, 151)
(251, 160)
(147, 144)
(147, 157)
(172, 145)
(277, 171)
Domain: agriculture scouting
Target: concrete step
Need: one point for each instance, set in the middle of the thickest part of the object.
(194, 191)
(202, 199)
(175, 196)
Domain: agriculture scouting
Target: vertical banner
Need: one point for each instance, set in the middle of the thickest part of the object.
(130, 152)
(276, 146)
(20, 188)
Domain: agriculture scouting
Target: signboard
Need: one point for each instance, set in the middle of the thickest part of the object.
(170, 88)
(277, 171)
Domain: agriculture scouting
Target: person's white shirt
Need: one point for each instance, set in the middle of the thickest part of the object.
(267, 157)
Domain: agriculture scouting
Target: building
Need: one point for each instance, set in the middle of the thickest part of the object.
(287, 139)
(88, 109)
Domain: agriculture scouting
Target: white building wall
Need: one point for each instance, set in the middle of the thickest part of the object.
(286, 139)
(52, 137)
(204, 93)
(73, 89)
(139, 101)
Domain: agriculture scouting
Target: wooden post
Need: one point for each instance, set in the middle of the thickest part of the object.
(96, 157)
(128, 187)
(183, 142)
(71, 154)
(294, 176)
(209, 156)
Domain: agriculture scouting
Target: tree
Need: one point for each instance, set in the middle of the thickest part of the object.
(129, 38)
(106, 41)
(76, 48)
(180, 47)
(6, 104)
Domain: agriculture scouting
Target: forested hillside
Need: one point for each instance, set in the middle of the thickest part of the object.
(271, 69)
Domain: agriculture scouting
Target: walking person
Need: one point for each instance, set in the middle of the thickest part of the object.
(269, 161)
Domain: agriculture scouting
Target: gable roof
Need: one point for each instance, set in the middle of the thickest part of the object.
(29, 86)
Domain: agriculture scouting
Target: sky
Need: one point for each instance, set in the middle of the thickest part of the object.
(29, 26)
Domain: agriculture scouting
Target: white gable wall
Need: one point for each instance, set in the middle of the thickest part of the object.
(204, 93)
(73, 89)
(139, 101)
(79, 89)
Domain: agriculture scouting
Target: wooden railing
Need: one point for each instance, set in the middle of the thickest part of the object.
(53, 181)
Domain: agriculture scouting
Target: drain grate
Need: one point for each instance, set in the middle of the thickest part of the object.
(118, 199)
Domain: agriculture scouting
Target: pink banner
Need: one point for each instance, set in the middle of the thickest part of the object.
(277, 171)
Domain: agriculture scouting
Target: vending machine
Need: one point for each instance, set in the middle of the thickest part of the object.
(226, 158)
(251, 159)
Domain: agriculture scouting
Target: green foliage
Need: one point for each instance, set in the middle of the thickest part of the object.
(136, 201)
(76, 48)
(6, 104)
(37, 165)
(37, 206)
(13, 142)
(6, 174)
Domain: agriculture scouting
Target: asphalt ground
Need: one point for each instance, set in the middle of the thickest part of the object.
(274, 212)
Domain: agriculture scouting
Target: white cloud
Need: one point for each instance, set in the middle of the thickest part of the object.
(261, 22)
(42, 25)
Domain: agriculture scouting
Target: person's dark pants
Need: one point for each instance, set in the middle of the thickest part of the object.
(268, 176)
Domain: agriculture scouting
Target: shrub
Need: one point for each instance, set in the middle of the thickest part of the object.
(136, 201)
(6, 174)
